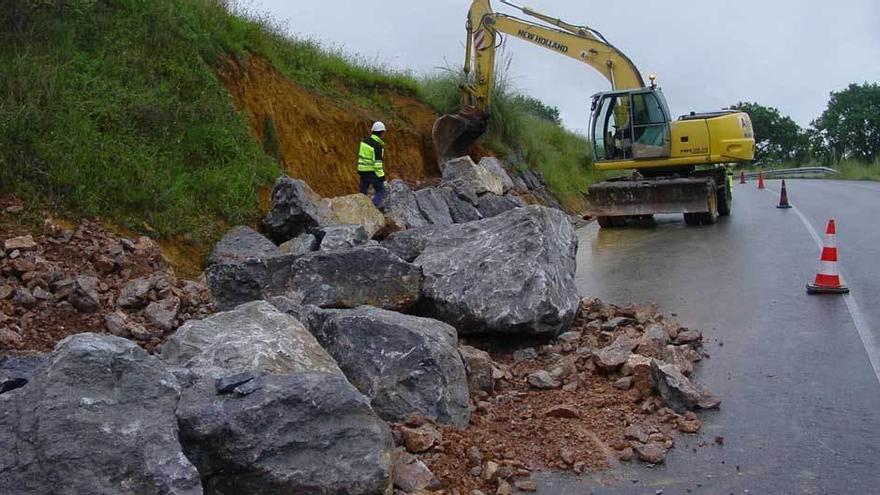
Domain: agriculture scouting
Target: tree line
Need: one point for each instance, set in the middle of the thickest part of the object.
(848, 129)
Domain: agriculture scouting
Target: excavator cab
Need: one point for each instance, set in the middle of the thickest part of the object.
(630, 125)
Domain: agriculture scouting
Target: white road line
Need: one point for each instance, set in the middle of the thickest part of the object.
(869, 341)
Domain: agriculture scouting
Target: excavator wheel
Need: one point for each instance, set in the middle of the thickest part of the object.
(692, 219)
(725, 197)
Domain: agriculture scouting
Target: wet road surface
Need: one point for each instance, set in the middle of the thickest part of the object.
(801, 410)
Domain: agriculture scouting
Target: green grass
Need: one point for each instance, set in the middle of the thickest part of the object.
(112, 109)
(848, 169)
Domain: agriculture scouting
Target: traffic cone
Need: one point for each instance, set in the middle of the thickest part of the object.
(828, 280)
(783, 197)
(760, 180)
(742, 177)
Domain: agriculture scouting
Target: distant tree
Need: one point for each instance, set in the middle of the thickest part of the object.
(537, 108)
(850, 126)
(777, 136)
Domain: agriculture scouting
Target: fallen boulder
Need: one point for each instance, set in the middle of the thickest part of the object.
(358, 209)
(240, 244)
(460, 210)
(469, 180)
(236, 283)
(337, 237)
(254, 337)
(348, 278)
(496, 168)
(678, 391)
(409, 244)
(491, 205)
(300, 245)
(432, 204)
(510, 274)
(296, 208)
(97, 417)
(404, 364)
(400, 206)
(303, 433)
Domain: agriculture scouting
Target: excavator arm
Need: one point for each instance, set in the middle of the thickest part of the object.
(455, 133)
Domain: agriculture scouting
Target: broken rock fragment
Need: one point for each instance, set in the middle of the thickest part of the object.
(680, 393)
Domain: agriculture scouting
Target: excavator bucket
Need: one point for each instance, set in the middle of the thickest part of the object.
(647, 197)
(454, 134)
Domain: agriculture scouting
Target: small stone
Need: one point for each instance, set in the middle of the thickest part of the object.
(411, 474)
(562, 411)
(624, 383)
(476, 471)
(104, 264)
(475, 457)
(542, 380)
(570, 386)
(6, 291)
(117, 324)
(567, 455)
(24, 298)
(688, 337)
(84, 294)
(626, 454)
(163, 314)
(634, 432)
(15, 254)
(651, 453)
(616, 322)
(504, 488)
(477, 492)
(8, 338)
(569, 336)
(490, 471)
(526, 354)
(22, 243)
(689, 426)
(134, 294)
(139, 332)
(421, 439)
(526, 486)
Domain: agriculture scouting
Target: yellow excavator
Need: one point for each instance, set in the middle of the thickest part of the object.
(678, 165)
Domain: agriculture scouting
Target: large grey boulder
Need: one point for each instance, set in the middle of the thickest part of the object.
(240, 244)
(98, 417)
(460, 210)
(18, 371)
(348, 278)
(308, 433)
(296, 208)
(510, 274)
(254, 337)
(343, 236)
(496, 168)
(404, 364)
(492, 205)
(400, 206)
(409, 244)
(252, 279)
(470, 180)
(300, 245)
(432, 204)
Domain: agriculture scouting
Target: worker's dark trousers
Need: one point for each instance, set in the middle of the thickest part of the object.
(371, 179)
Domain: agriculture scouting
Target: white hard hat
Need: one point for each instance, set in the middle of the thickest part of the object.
(378, 127)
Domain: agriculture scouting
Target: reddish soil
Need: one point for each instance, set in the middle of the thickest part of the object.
(318, 135)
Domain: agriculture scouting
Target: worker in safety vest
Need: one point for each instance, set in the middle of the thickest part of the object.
(371, 167)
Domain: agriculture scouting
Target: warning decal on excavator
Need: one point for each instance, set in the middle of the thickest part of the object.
(482, 40)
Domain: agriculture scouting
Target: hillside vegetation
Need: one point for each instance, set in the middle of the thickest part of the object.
(113, 109)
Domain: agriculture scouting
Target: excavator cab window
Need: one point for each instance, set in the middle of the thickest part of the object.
(612, 129)
(630, 125)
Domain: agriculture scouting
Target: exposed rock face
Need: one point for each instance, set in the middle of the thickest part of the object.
(348, 278)
(307, 433)
(253, 337)
(491, 205)
(300, 245)
(249, 280)
(98, 417)
(358, 209)
(432, 204)
(240, 244)
(470, 180)
(680, 393)
(403, 363)
(400, 206)
(337, 237)
(511, 274)
(460, 210)
(295, 209)
(496, 168)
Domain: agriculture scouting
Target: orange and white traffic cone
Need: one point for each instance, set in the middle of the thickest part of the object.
(828, 280)
(760, 180)
(783, 197)
(742, 177)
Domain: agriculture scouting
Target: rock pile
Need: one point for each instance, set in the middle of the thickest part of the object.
(614, 388)
(57, 281)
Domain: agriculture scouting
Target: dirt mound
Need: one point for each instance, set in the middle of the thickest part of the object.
(57, 280)
(317, 135)
(582, 415)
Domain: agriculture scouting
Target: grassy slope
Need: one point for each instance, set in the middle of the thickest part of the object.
(849, 169)
(112, 109)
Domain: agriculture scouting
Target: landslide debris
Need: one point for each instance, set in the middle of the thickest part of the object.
(577, 416)
(57, 280)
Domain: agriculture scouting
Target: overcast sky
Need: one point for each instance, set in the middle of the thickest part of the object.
(707, 54)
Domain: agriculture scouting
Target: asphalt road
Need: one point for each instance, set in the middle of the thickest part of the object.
(801, 410)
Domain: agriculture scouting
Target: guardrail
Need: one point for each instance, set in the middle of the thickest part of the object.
(790, 173)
